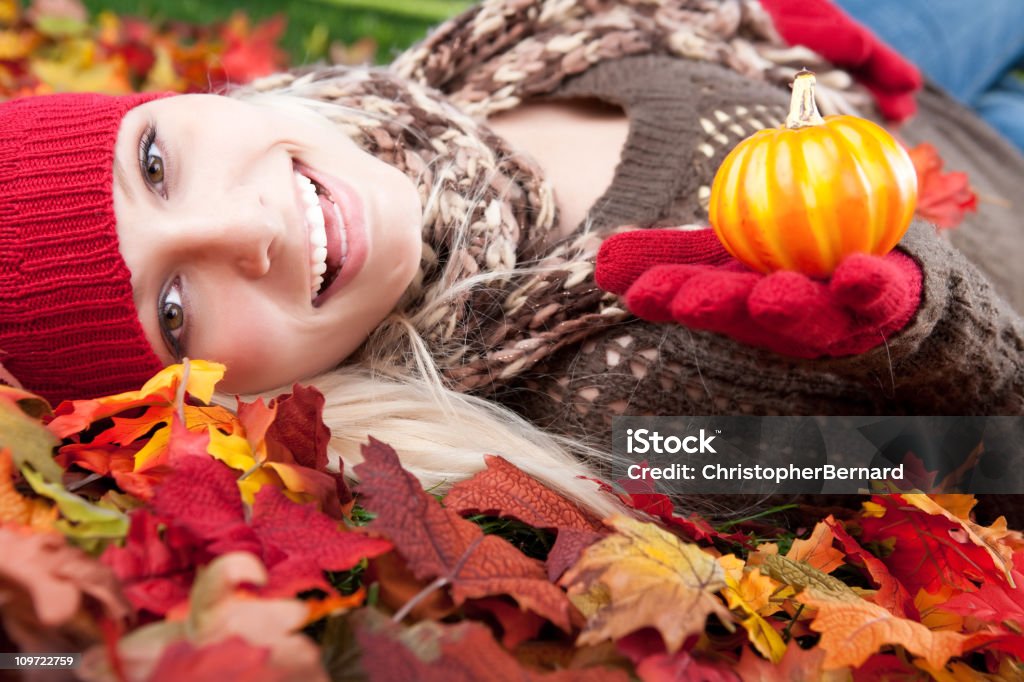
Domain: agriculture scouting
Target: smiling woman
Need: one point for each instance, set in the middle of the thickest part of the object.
(427, 243)
(258, 236)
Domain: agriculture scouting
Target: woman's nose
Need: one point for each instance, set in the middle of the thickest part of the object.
(243, 235)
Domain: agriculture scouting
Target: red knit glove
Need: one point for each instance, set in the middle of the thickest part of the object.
(689, 278)
(841, 39)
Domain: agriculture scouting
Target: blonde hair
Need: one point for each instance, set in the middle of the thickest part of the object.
(440, 435)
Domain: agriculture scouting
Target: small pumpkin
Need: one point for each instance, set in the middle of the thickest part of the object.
(806, 194)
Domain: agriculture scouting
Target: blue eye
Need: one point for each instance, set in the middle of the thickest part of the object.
(151, 159)
(171, 315)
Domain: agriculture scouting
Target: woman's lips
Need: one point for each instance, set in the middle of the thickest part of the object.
(345, 225)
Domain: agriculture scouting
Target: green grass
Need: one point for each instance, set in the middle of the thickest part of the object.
(312, 24)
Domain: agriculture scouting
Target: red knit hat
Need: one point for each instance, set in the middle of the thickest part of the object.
(68, 324)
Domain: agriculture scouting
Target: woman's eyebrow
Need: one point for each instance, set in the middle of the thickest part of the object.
(121, 179)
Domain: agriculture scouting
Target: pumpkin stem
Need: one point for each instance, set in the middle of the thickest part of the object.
(803, 111)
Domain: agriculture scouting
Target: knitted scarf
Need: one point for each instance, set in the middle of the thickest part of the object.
(494, 295)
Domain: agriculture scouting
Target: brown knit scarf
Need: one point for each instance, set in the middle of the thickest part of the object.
(494, 295)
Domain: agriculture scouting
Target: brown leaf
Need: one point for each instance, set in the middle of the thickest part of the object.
(438, 543)
(503, 490)
(652, 579)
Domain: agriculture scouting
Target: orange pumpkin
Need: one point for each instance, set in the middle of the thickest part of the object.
(812, 191)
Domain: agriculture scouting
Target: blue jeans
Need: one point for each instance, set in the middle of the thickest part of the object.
(968, 47)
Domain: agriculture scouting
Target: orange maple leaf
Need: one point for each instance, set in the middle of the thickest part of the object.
(942, 198)
(161, 391)
(504, 490)
(852, 629)
(817, 550)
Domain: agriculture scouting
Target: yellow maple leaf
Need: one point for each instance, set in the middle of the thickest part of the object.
(10, 11)
(202, 379)
(162, 75)
(652, 579)
(17, 45)
(75, 67)
(749, 592)
(853, 629)
(37, 514)
(235, 451)
(108, 28)
(929, 605)
(958, 505)
(162, 389)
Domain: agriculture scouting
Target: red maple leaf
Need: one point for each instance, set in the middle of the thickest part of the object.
(464, 652)
(889, 668)
(300, 542)
(292, 432)
(646, 649)
(439, 544)
(517, 626)
(300, 427)
(891, 593)
(252, 52)
(641, 495)
(231, 658)
(155, 568)
(942, 198)
(568, 547)
(995, 602)
(296, 542)
(929, 550)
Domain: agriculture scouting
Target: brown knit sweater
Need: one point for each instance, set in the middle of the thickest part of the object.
(963, 353)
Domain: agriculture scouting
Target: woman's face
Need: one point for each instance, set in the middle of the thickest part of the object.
(258, 237)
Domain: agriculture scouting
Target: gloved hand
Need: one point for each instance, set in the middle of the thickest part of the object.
(841, 39)
(689, 278)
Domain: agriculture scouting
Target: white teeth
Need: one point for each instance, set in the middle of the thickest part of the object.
(315, 223)
(318, 235)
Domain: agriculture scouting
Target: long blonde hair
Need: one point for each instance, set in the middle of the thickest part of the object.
(441, 435)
